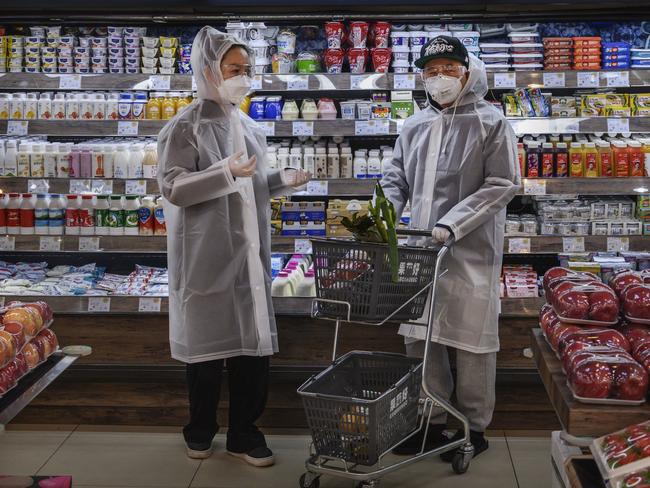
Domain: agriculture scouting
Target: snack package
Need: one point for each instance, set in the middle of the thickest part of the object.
(358, 34)
(334, 60)
(636, 303)
(358, 59)
(334, 34)
(381, 34)
(595, 337)
(623, 457)
(381, 59)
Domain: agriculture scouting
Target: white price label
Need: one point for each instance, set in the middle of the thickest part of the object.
(79, 187)
(149, 304)
(618, 126)
(404, 82)
(572, 128)
(302, 128)
(298, 82)
(317, 187)
(356, 82)
(382, 127)
(588, 79)
(268, 128)
(69, 82)
(533, 186)
(256, 82)
(127, 128)
(573, 244)
(89, 244)
(372, 127)
(49, 244)
(102, 187)
(505, 80)
(194, 87)
(399, 123)
(99, 304)
(618, 244)
(38, 186)
(519, 245)
(302, 246)
(7, 243)
(17, 127)
(615, 79)
(161, 82)
(554, 80)
(135, 187)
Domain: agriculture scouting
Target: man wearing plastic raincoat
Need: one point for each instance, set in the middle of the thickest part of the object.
(456, 162)
(216, 189)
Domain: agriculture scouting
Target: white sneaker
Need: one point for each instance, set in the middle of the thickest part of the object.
(198, 451)
(260, 457)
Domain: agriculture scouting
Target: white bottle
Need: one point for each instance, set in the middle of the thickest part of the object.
(320, 163)
(374, 164)
(98, 161)
(280, 286)
(42, 215)
(5, 106)
(72, 105)
(295, 158)
(346, 163)
(2, 157)
(63, 161)
(27, 226)
(109, 159)
(31, 106)
(87, 216)
(150, 161)
(86, 107)
(360, 165)
(307, 287)
(59, 107)
(111, 107)
(17, 106)
(24, 164)
(57, 216)
(135, 161)
(283, 157)
(101, 215)
(387, 157)
(333, 163)
(272, 157)
(49, 160)
(11, 159)
(121, 162)
(131, 218)
(116, 216)
(45, 107)
(37, 161)
(309, 160)
(99, 107)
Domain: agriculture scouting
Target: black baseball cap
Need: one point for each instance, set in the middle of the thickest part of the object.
(443, 47)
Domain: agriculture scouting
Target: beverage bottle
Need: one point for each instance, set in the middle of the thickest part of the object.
(87, 216)
(99, 107)
(160, 226)
(131, 216)
(146, 217)
(37, 161)
(17, 106)
(85, 163)
(646, 157)
(116, 216)
(63, 161)
(45, 106)
(138, 106)
(11, 159)
(374, 164)
(49, 160)
(577, 160)
(533, 160)
(135, 161)
(72, 220)
(320, 163)
(635, 149)
(347, 165)
(150, 161)
(72, 104)
(295, 158)
(109, 159)
(605, 162)
(74, 169)
(621, 159)
(360, 165)
(386, 158)
(283, 158)
(5, 106)
(121, 162)
(272, 157)
(102, 215)
(86, 107)
(3, 214)
(124, 106)
(13, 213)
(27, 224)
(561, 160)
(548, 160)
(333, 163)
(591, 160)
(56, 215)
(31, 106)
(153, 108)
(24, 160)
(168, 107)
(521, 155)
(42, 215)
(182, 101)
(112, 102)
(309, 160)
(98, 162)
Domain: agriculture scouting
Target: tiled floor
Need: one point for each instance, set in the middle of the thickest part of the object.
(102, 458)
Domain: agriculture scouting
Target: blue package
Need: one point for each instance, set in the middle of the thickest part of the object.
(640, 53)
(617, 65)
(640, 62)
(616, 57)
(615, 47)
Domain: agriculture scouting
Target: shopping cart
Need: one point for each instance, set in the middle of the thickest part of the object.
(367, 403)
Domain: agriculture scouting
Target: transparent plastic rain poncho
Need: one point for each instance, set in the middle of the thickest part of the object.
(458, 168)
(218, 226)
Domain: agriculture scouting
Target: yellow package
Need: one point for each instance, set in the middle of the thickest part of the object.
(594, 101)
(582, 266)
(641, 112)
(615, 111)
(168, 41)
(510, 107)
(641, 100)
(3, 47)
(168, 52)
(568, 101)
(337, 230)
(617, 99)
(590, 112)
(563, 112)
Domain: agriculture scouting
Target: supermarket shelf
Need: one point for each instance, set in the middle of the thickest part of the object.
(586, 186)
(80, 304)
(296, 306)
(32, 385)
(579, 125)
(42, 81)
(605, 79)
(67, 243)
(556, 244)
(84, 128)
(521, 307)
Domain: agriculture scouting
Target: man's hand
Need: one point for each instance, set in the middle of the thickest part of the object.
(242, 170)
(440, 234)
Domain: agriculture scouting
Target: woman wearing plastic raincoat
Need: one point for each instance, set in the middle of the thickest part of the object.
(216, 189)
(456, 163)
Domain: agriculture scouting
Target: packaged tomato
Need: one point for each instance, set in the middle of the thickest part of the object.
(578, 350)
(558, 274)
(595, 337)
(614, 375)
(334, 34)
(637, 479)
(381, 34)
(635, 333)
(547, 320)
(622, 279)
(636, 303)
(381, 59)
(358, 34)
(334, 60)
(623, 457)
(7, 379)
(22, 367)
(16, 330)
(358, 59)
(558, 333)
(586, 304)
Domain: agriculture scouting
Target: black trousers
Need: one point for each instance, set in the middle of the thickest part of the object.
(248, 381)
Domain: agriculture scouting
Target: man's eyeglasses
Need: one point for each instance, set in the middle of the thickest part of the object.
(237, 70)
(447, 69)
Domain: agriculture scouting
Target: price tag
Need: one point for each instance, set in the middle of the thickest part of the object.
(505, 80)
(268, 128)
(382, 127)
(49, 244)
(363, 128)
(399, 123)
(298, 82)
(519, 245)
(554, 80)
(194, 87)
(588, 79)
(356, 81)
(618, 126)
(573, 244)
(534, 186)
(317, 187)
(127, 128)
(79, 187)
(302, 128)
(102, 187)
(161, 82)
(572, 128)
(404, 82)
(136, 187)
(149, 304)
(618, 244)
(69, 82)
(302, 246)
(38, 186)
(256, 82)
(17, 127)
(616, 78)
(99, 304)
(89, 244)
(7, 243)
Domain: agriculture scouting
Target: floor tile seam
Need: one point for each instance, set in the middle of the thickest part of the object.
(57, 449)
(512, 463)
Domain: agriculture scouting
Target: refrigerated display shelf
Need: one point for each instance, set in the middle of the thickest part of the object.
(565, 244)
(579, 125)
(44, 81)
(585, 186)
(73, 243)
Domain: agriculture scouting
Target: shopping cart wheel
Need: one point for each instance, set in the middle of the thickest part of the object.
(460, 462)
(309, 480)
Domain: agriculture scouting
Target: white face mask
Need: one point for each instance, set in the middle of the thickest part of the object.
(443, 89)
(234, 89)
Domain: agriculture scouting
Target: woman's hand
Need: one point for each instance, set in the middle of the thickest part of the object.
(296, 178)
(242, 170)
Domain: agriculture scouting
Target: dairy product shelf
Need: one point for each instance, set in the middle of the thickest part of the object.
(568, 244)
(73, 243)
(78, 185)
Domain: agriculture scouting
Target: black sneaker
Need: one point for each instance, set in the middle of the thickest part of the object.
(477, 439)
(435, 437)
(198, 450)
(259, 457)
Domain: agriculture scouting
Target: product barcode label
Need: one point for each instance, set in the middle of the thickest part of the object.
(615, 79)
(49, 244)
(404, 82)
(618, 244)
(505, 80)
(298, 82)
(99, 304)
(161, 82)
(534, 187)
(38, 186)
(519, 245)
(317, 187)
(302, 246)
(69, 82)
(79, 187)
(89, 244)
(356, 82)
(573, 244)
(587, 79)
(268, 128)
(256, 82)
(136, 187)
(149, 304)
(554, 80)
(399, 123)
(302, 128)
(127, 128)
(618, 126)
(102, 187)
(17, 127)
(7, 243)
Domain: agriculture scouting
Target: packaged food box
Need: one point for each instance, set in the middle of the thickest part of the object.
(303, 211)
(616, 57)
(598, 101)
(522, 291)
(615, 111)
(586, 59)
(616, 65)
(564, 112)
(304, 228)
(523, 37)
(527, 66)
(557, 66)
(641, 112)
(587, 41)
(557, 42)
(584, 266)
(567, 60)
(615, 47)
(617, 99)
(491, 48)
(527, 48)
(558, 52)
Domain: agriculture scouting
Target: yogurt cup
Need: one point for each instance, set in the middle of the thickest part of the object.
(167, 62)
(15, 62)
(419, 38)
(135, 31)
(115, 70)
(84, 42)
(52, 42)
(82, 51)
(116, 52)
(67, 41)
(37, 31)
(66, 69)
(49, 70)
(167, 71)
(132, 42)
(16, 51)
(348, 110)
(146, 62)
(132, 51)
(260, 48)
(99, 69)
(131, 62)
(401, 53)
(116, 62)
(53, 31)
(99, 42)
(32, 50)
(132, 70)
(149, 71)
(16, 40)
(32, 69)
(468, 38)
(51, 60)
(115, 31)
(65, 61)
(236, 29)
(33, 60)
(149, 52)
(82, 60)
(48, 51)
(15, 70)
(168, 42)
(399, 38)
(401, 66)
(115, 42)
(82, 70)
(98, 51)
(65, 52)
(167, 52)
(34, 41)
(286, 42)
(150, 42)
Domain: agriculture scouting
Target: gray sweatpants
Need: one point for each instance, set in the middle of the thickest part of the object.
(475, 377)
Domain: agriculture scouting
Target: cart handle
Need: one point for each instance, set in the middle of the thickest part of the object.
(423, 233)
